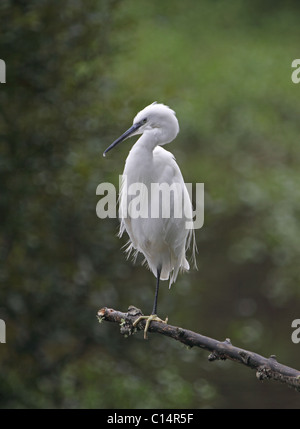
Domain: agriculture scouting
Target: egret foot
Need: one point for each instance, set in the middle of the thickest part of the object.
(148, 319)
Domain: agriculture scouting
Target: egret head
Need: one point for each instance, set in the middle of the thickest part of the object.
(157, 119)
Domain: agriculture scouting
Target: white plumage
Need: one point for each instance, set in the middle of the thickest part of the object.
(162, 240)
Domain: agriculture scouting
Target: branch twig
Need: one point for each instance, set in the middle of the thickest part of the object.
(266, 368)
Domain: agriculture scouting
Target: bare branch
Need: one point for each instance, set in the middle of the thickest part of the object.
(266, 368)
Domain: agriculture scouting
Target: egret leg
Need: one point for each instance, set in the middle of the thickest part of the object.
(153, 315)
(156, 291)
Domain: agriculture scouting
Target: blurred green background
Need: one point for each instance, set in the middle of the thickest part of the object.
(77, 73)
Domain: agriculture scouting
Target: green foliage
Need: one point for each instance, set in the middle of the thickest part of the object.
(77, 73)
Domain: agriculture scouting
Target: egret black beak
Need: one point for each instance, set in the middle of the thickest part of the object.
(124, 136)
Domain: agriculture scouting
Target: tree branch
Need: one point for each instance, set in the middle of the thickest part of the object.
(266, 368)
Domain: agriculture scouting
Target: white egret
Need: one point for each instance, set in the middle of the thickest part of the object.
(162, 240)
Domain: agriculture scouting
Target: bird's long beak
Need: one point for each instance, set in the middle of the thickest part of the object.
(124, 136)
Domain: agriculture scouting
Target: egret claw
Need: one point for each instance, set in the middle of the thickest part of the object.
(149, 319)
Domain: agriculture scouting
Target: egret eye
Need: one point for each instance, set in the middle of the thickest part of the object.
(144, 120)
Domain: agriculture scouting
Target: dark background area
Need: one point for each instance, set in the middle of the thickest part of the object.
(76, 74)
